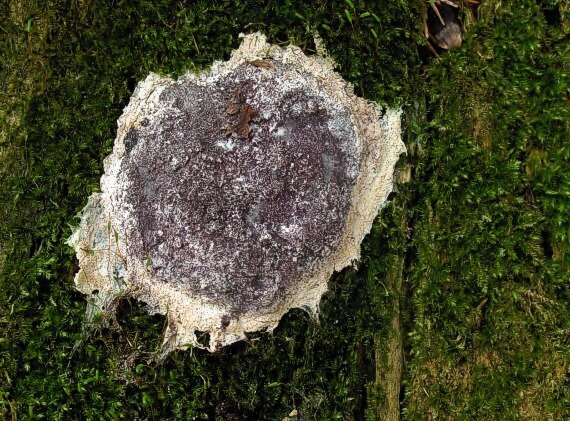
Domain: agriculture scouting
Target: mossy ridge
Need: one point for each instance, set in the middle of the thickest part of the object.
(490, 278)
(485, 181)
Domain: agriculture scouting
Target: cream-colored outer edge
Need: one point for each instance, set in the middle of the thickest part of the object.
(107, 274)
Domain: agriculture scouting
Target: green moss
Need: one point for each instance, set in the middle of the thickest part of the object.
(486, 217)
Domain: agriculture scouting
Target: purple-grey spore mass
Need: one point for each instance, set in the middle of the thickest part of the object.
(241, 217)
(232, 196)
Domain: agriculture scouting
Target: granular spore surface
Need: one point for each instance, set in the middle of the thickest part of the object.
(227, 215)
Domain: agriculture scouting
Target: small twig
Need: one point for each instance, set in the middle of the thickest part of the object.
(13, 410)
(433, 50)
(450, 3)
(262, 63)
(195, 44)
(481, 304)
(436, 10)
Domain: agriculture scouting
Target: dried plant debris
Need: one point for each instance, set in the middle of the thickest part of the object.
(232, 196)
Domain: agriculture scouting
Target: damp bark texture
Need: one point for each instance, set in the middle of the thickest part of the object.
(231, 196)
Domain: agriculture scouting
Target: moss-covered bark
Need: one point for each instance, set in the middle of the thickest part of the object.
(486, 210)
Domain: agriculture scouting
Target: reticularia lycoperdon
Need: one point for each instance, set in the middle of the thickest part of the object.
(232, 196)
